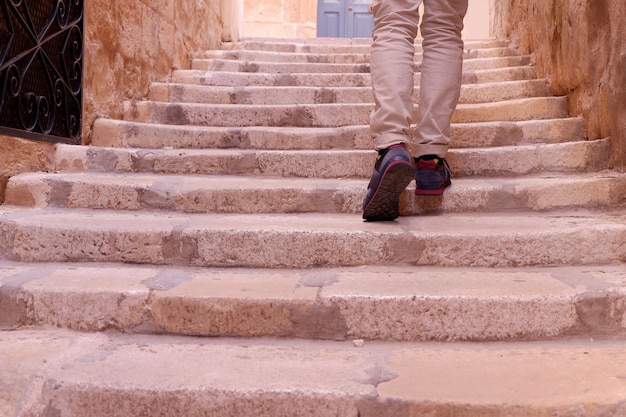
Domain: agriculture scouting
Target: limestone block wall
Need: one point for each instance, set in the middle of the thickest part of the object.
(131, 43)
(579, 45)
(127, 45)
(21, 155)
(279, 19)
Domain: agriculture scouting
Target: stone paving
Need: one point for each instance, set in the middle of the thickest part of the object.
(206, 255)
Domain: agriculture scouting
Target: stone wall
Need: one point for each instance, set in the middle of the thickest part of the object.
(579, 46)
(21, 155)
(279, 19)
(128, 45)
(131, 43)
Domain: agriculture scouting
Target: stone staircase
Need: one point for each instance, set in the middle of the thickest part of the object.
(206, 255)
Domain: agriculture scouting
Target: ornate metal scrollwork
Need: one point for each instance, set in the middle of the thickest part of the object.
(41, 61)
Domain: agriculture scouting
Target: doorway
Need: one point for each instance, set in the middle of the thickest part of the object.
(344, 19)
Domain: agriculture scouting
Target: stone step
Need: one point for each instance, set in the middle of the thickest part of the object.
(335, 46)
(583, 156)
(470, 93)
(371, 303)
(333, 58)
(62, 373)
(305, 240)
(120, 133)
(250, 194)
(328, 115)
(280, 67)
(241, 79)
(338, 64)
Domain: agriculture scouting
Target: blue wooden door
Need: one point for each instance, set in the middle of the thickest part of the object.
(344, 18)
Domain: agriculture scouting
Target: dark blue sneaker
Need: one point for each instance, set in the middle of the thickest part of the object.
(393, 171)
(432, 175)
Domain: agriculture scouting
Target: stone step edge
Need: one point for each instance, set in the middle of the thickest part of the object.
(333, 57)
(193, 93)
(576, 237)
(66, 373)
(370, 303)
(328, 115)
(249, 194)
(360, 64)
(295, 43)
(567, 157)
(126, 134)
(229, 78)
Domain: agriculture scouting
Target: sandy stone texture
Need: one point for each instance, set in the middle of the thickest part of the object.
(579, 46)
(128, 45)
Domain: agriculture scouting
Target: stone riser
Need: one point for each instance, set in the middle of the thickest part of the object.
(87, 375)
(310, 240)
(399, 303)
(337, 46)
(357, 64)
(328, 115)
(333, 58)
(241, 79)
(196, 194)
(470, 93)
(116, 133)
(498, 161)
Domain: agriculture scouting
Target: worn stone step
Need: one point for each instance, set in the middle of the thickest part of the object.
(371, 303)
(280, 67)
(333, 58)
(328, 115)
(311, 240)
(500, 161)
(335, 46)
(120, 133)
(66, 373)
(358, 64)
(250, 194)
(240, 79)
(470, 93)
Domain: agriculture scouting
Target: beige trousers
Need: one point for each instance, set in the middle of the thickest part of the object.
(392, 64)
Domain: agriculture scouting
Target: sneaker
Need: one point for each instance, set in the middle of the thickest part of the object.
(393, 171)
(432, 175)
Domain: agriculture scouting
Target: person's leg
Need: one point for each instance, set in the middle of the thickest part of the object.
(440, 82)
(440, 87)
(392, 69)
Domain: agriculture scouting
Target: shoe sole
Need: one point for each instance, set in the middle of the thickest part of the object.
(383, 205)
(436, 191)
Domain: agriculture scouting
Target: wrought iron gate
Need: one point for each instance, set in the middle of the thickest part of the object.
(41, 61)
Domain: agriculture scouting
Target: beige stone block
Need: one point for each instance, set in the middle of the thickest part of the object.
(30, 193)
(308, 30)
(437, 305)
(232, 304)
(94, 196)
(90, 299)
(269, 11)
(70, 158)
(308, 13)
(23, 155)
(499, 379)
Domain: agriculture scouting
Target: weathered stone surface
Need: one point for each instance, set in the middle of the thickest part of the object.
(579, 46)
(22, 155)
(54, 373)
(322, 240)
(128, 45)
